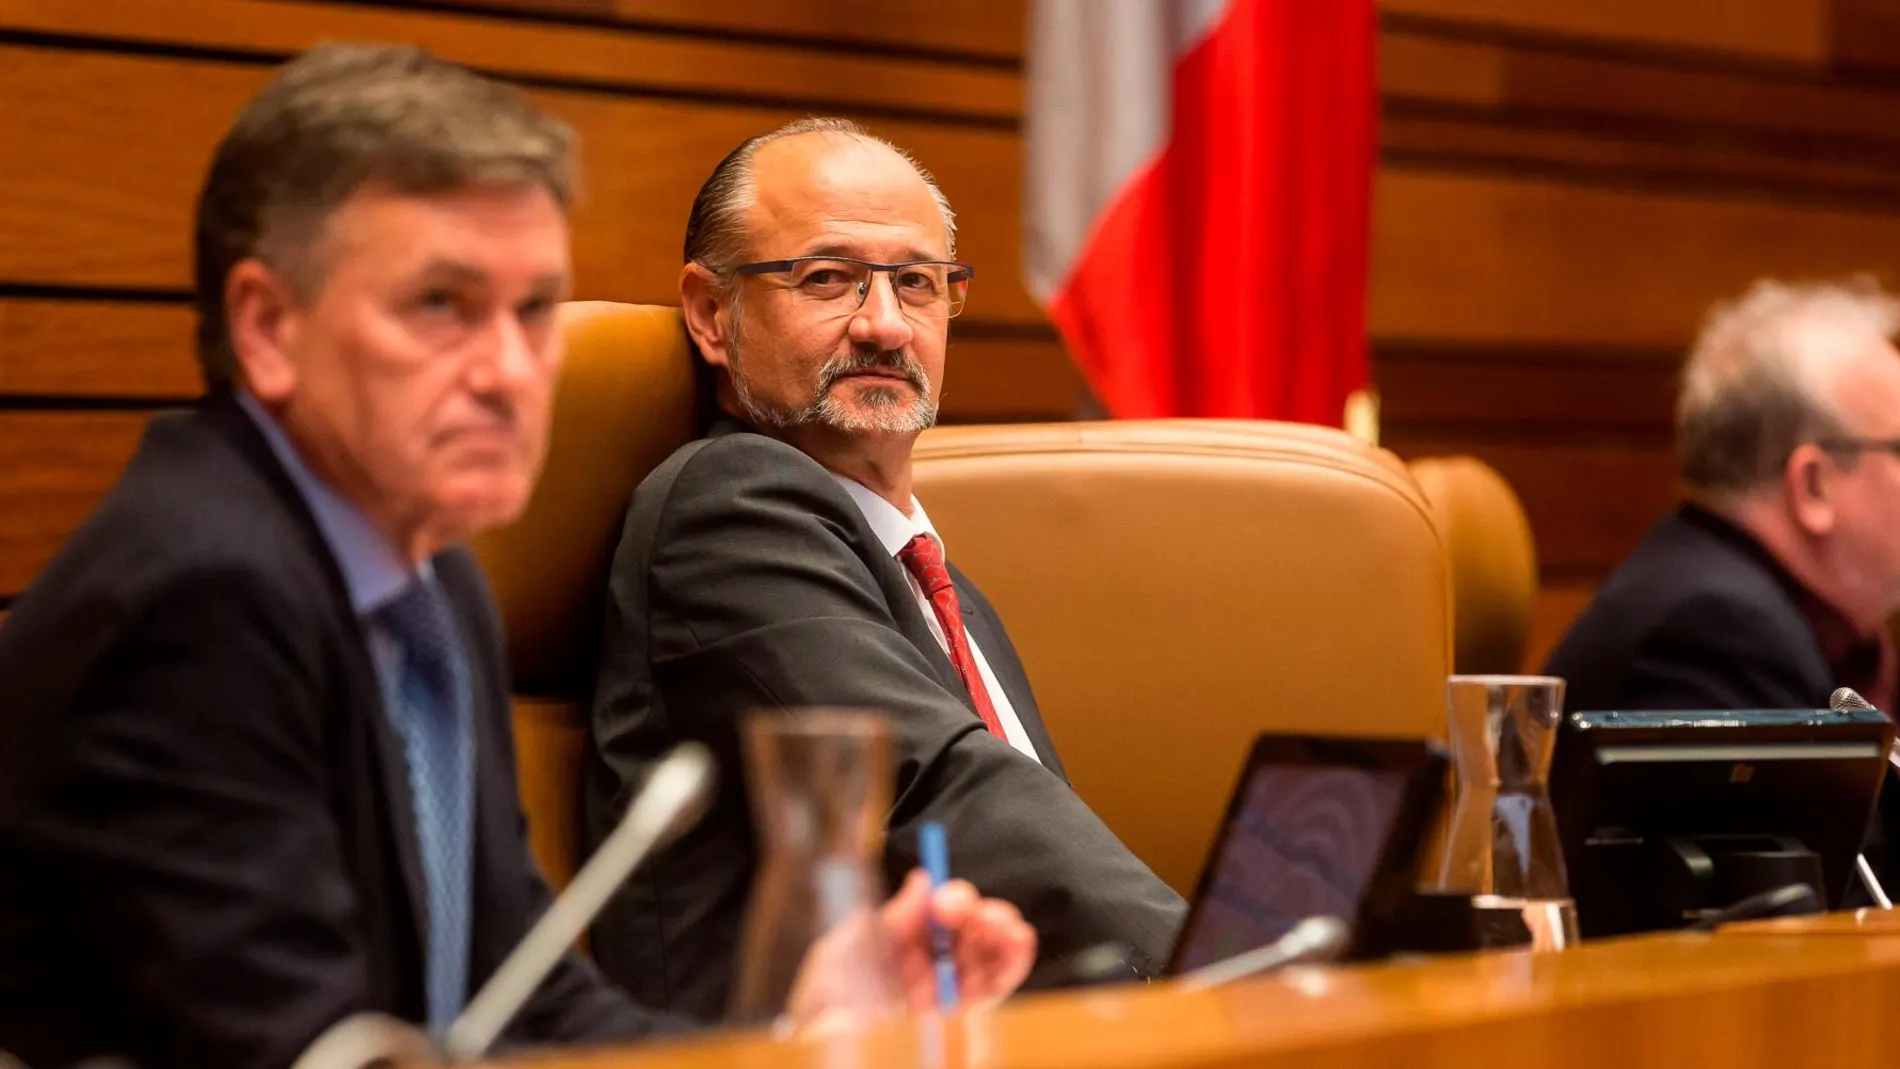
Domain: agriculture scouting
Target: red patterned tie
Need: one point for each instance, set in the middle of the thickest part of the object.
(924, 557)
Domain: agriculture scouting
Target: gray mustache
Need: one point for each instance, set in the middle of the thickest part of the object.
(856, 363)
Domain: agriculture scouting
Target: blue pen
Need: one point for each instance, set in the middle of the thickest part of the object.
(935, 851)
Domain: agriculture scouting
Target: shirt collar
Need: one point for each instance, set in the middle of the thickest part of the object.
(373, 572)
(893, 529)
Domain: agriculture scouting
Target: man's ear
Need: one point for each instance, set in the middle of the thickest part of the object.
(703, 305)
(263, 324)
(1808, 481)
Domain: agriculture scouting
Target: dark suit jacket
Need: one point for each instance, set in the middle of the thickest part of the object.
(1702, 617)
(207, 853)
(746, 577)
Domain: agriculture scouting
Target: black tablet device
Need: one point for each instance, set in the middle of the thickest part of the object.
(1316, 826)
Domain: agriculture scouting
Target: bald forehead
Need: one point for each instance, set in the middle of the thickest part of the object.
(827, 188)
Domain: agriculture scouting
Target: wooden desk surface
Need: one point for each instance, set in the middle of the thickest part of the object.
(1863, 923)
(1675, 1000)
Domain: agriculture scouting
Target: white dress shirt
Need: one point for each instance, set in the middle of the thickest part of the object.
(895, 530)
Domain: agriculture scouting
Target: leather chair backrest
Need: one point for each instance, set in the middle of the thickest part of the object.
(1176, 587)
(1493, 561)
(625, 402)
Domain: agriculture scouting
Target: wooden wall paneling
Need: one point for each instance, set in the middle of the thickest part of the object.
(986, 28)
(1589, 502)
(1496, 259)
(1787, 31)
(607, 57)
(92, 349)
(1866, 34)
(643, 160)
(57, 464)
(1524, 391)
(1009, 378)
(1556, 85)
(1432, 138)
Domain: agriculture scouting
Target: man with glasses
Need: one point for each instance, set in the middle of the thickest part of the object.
(782, 562)
(1772, 584)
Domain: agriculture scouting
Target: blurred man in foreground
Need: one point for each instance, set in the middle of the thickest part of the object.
(783, 562)
(256, 706)
(1772, 584)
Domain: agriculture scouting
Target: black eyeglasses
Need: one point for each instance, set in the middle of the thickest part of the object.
(925, 289)
(1861, 445)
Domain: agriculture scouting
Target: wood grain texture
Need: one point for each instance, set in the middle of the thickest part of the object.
(1793, 31)
(56, 465)
(619, 58)
(1589, 503)
(80, 116)
(1485, 258)
(66, 348)
(1761, 1002)
(992, 28)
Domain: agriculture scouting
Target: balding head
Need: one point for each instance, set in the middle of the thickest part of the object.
(1785, 364)
(718, 231)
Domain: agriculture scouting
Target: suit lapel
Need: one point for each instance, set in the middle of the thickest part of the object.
(364, 685)
(986, 631)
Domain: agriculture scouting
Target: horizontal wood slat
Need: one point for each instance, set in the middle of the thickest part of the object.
(1524, 389)
(58, 464)
(143, 350)
(76, 116)
(1478, 258)
(609, 57)
(1476, 142)
(1554, 85)
(53, 348)
(992, 28)
(1794, 31)
(1588, 504)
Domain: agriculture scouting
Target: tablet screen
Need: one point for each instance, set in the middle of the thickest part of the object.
(1301, 841)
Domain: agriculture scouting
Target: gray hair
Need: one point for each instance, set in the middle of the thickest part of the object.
(1761, 379)
(336, 118)
(715, 229)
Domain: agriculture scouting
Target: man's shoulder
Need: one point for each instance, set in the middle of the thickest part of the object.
(732, 459)
(1686, 567)
(189, 509)
(1688, 586)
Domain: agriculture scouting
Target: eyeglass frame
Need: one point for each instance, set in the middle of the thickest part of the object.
(1890, 446)
(767, 267)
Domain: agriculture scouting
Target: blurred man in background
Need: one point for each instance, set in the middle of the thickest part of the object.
(1772, 584)
(783, 562)
(258, 700)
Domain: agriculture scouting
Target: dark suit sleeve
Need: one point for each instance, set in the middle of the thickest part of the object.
(1716, 653)
(757, 598)
(194, 797)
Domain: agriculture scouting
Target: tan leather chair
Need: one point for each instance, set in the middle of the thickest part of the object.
(1175, 587)
(1493, 561)
(625, 403)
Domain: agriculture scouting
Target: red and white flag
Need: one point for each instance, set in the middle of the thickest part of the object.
(1198, 187)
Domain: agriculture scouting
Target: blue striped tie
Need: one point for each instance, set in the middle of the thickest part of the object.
(432, 716)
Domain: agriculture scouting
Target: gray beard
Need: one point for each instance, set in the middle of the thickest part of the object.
(888, 412)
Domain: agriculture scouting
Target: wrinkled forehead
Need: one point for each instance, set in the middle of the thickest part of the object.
(836, 193)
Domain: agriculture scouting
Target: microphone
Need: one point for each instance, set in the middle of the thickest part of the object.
(675, 795)
(1314, 937)
(1845, 699)
(1791, 900)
